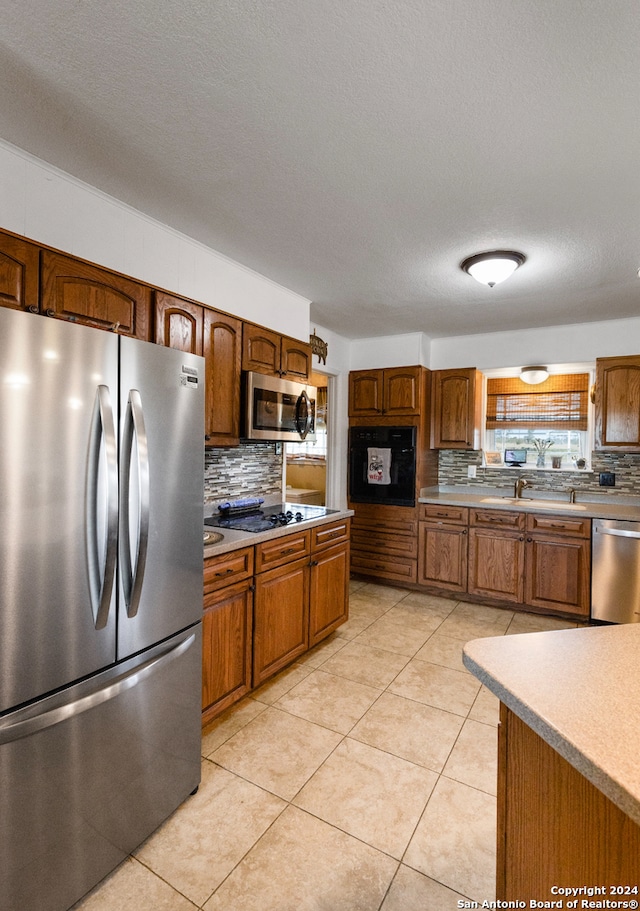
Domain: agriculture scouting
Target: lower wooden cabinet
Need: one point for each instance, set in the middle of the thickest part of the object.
(558, 564)
(329, 592)
(442, 547)
(226, 647)
(384, 542)
(281, 625)
(554, 826)
(496, 554)
(256, 623)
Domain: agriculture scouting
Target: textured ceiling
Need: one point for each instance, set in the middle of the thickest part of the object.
(357, 150)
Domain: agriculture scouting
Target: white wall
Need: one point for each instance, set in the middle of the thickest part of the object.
(582, 342)
(51, 207)
(392, 351)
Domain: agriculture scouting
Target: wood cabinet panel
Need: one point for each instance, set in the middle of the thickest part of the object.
(178, 323)
(496, 564)
(497, 518)
(391, 391)
(558, 525)
(227, 568)
(442, 556)
(327, 535)
(580, 836)
(329, 593)
(226, 647)
(282, 550)
(450, 515)
(295, 359)
(281, 618)
(19, 273)
(81, 292)
(456, 408)
(558, 573)
(265, 351)
(369, 543)
(384, 542)
(222, 350)
(617, 423)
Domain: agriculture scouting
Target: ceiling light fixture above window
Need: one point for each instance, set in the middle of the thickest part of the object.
(534, 375)
(493, 267)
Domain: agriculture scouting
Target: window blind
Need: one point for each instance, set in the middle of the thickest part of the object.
(561, 402)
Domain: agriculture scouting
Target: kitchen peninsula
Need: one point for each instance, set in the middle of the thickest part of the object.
(568, 771)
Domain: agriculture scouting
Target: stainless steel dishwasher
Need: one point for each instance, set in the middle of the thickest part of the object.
(615, 573)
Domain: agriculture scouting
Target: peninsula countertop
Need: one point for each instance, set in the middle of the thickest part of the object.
(578, 689)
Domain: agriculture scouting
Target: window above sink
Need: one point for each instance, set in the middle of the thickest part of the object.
(539, 427)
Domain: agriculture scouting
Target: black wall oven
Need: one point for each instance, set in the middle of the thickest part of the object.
(382, 465)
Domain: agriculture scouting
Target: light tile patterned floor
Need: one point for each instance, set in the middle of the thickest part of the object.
(362, 778)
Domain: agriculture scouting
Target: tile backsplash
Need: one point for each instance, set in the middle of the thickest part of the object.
(248, 470)
(453, 465)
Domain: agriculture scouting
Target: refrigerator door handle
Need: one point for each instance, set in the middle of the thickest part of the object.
(49, 718)
(102, 571)
(133, 575)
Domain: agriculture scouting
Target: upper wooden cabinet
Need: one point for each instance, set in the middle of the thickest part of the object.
(618, 403)
(264, 351)
(456, 408)
(392, 391)
(179, 323)
(188, 326)
(81, 292)
(222, 350)
(19, 273)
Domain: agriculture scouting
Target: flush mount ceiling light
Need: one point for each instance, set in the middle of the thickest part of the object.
(493, 267)
(534, 375)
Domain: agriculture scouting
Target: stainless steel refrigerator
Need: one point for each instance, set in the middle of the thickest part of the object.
(101, 511)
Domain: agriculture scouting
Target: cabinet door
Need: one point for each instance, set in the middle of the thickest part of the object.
(365, 392)
(281, 618)
(558, 572)
(222, 349)
(226, 648)
(260, 350)
(456, 409)
(402, 388)
(178, 323)
(617, 423)
(496, 564)
(19, 273)
(83, 293)
(442, 556)
(329, 598)
(295, 359)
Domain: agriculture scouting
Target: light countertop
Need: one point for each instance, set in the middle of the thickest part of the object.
(233, 539)
(579, 689)
(533, 500)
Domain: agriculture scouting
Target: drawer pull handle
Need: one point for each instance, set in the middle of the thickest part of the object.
(224, 572)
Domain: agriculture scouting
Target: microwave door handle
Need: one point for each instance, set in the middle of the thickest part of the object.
(303, 424)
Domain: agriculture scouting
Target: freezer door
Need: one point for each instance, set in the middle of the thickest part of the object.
(58, 503)
(161, 493)
(88, 773)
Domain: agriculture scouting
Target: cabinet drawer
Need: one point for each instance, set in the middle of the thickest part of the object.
(282, 550)
(227, 568)
(497, 518)
(324, 535)
(382, 543)
(451, 515)
(396, 569)
(559, 525)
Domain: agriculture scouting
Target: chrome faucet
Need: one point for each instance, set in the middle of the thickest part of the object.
(572, 495)
(519, 486)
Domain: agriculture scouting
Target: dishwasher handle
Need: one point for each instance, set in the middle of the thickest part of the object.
(617, 532)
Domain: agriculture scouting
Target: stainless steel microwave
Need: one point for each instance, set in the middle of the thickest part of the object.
(278, 409)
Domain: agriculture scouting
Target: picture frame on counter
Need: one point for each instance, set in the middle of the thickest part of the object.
(492, 458)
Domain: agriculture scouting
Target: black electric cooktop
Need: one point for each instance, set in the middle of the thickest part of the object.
(257, 520)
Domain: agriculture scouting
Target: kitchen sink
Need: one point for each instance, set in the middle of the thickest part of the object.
(537, 504)
(213, 537)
